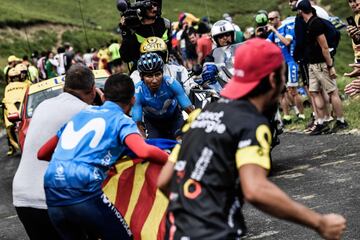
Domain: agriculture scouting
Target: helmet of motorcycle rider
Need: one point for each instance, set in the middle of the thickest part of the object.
(150, 63)
(23, 71)
(156, 45)
(221, 27)
(12, 58)
(14, 75)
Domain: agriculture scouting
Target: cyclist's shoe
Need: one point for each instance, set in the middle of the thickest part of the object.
(11, 151)
(320, 129)
(338, 126)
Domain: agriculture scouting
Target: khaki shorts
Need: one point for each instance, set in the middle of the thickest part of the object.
(319, 78)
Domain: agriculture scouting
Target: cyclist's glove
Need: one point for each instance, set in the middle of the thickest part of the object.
(209, 73)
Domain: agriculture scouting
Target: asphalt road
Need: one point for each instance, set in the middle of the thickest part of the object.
(321, 171)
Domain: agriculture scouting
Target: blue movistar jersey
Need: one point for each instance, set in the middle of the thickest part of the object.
(287, 29)
(88, 145)
(161, 104)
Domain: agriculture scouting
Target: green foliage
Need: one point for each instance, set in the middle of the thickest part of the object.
(344, 55)
(95, 39)
(100, 14)
(17, 45)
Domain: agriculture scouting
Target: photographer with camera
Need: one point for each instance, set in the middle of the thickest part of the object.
(138, 22)
(261, 20)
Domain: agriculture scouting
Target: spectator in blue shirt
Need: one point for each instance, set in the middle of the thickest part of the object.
(283, 35)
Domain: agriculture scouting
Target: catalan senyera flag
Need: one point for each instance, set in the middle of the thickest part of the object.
(131, 187)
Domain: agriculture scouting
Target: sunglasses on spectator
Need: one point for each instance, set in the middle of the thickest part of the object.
(272, 18)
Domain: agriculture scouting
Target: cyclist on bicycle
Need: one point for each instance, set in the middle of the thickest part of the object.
(178, 72)
(159, 100)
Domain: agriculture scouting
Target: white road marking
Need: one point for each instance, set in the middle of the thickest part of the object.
(332, 163)
(265, 234)
(289, 176)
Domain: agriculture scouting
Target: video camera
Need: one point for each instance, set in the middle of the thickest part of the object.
(133, 12)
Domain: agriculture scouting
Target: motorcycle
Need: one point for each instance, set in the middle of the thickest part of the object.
(224, 60)
(201, 94)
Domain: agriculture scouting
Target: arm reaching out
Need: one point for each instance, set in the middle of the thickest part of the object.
(47, 150)
(145, 151)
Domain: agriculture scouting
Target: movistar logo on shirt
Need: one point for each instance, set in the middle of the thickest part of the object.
(71, 138)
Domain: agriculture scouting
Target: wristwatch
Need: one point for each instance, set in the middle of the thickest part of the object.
(331, 66)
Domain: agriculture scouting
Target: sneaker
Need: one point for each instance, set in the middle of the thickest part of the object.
(286, 121)
(310, 128)
(11, 151)
(320, 129)
(311, 123)
(338, 126)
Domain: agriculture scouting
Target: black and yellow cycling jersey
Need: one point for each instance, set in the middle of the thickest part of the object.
(206, 197)
(132, 39)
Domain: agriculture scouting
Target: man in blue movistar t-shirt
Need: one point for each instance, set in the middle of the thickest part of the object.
(87, 146)
(157, 100)
(283, 35)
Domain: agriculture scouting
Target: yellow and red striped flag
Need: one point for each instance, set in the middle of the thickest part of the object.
(131, 187)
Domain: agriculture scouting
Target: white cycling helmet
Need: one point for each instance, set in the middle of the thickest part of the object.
(221, 27)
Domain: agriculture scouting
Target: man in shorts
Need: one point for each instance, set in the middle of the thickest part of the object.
(283, 35)
(322, 73)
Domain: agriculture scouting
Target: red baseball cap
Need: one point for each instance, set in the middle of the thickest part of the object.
(254, 59)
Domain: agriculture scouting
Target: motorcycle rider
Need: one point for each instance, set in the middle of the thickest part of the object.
(223, 34)
(157, 100)
(12, 61)
(151, 24)
(178, 72)
(24, 73)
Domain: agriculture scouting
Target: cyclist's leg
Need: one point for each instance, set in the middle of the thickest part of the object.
(177, 121)
(95, 218)
(153, 128)
(105, 218)
(66, 224)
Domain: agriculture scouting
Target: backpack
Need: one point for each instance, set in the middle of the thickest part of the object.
(332, 35)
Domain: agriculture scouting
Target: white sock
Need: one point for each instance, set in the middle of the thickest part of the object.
(320, 121)
(296, 110)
